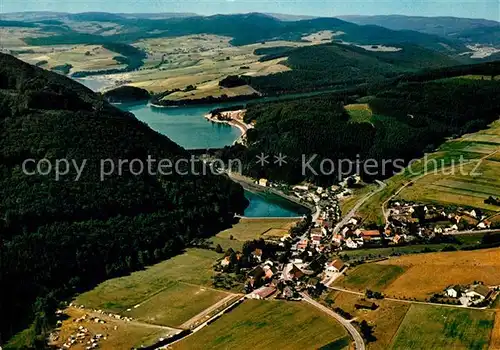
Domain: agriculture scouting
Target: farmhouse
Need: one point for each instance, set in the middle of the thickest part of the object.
(335, 266)
(262, 293)
(452, 292)
(479, 291)
(296, 273)
(369, 235)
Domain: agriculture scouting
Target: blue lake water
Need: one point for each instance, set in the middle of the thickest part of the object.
(268, 205)
(187, 127)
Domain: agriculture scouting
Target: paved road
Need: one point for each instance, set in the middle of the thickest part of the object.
(358, 205)
(207, 311)
(408, 301)
(358, 339)
(458, 233)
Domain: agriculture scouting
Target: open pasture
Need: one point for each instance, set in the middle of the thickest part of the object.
(431, 327)
(250, 229)
(478, 182)
(175, 304)
(269, 325)
(385, 320)
(120, 294)
(370, 276)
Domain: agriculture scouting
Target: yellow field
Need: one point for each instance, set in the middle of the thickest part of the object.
(432, 273)
(126, 335)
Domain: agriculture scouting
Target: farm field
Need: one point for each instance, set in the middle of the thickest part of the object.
(81, 57)
(120, 294)
(127, 335)
(269, 325)
(250, 229)
(370, 276)
(200, 60)
(170, 307)
(495, 334)
(360, 113)
(462, 267)
(430, 327)
(463, 190)
(386, 319)
(447, 188)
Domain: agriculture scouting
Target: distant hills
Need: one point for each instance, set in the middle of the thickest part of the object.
(430, 32)
(244, 29)
(466, 29)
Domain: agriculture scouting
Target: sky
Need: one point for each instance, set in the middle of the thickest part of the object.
(489, 9)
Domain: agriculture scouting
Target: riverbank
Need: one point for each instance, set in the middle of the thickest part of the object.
(233, 118)
(250, 185)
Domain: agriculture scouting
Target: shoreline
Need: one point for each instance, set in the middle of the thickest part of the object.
(232, 121)
(249, 185)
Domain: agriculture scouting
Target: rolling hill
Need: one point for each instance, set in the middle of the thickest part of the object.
(466, 29)
(63, 235)
(244, 29)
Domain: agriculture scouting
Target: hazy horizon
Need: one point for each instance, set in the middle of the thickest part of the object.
(484, 9)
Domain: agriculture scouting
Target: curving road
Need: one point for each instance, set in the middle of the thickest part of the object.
(358, 339)
(358, 205)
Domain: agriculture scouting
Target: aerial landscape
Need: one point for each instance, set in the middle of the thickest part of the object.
(232, 174)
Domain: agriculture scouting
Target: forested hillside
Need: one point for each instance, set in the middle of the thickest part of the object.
(337, 66)
(61, 236)
(472, 30)
(409, 118)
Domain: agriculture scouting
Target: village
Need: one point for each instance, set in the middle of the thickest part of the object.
(308, 259)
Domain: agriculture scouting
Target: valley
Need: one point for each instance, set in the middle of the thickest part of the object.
(305, 246)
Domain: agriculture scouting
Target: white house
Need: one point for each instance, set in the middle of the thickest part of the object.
(335, 266)
(351, 244)
(452, 292)
(353, 221)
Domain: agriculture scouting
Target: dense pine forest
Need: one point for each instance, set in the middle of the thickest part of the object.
(340, 66)
(61, 236)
